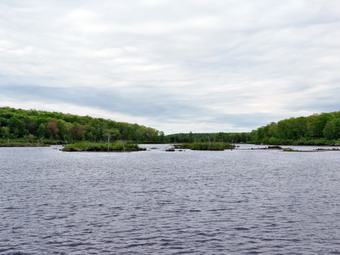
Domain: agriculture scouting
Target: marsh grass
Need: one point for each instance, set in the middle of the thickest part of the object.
(102, 147)
(21, 143)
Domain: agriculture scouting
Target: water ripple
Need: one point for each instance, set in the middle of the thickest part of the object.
(191, 202)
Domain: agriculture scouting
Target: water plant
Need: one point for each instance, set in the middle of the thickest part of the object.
(289, 149)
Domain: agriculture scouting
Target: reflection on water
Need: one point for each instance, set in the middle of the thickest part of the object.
(156, 202)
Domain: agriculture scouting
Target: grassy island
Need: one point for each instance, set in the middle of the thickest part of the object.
(102, 147)
(206, 146)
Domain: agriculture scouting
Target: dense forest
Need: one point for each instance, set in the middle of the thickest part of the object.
(54, 127)
(317, 129)
(209, 137)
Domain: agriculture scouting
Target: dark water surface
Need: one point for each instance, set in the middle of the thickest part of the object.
(156, 202)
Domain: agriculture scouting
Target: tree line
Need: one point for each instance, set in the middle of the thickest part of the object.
(55, 127)
(316, 129)
(209, 137)
(33, 125)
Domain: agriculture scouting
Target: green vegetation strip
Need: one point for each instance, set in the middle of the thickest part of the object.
(290, 150)
(21, 144)
(111, 147)
(206, 146)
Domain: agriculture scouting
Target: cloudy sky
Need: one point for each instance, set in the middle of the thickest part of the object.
(175, 65)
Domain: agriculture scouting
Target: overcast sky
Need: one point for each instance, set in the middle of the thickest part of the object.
(175, 65)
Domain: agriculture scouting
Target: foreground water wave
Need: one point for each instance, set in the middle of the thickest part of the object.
(157, 202)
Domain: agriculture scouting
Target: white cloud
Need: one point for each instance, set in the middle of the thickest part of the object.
(202, 61)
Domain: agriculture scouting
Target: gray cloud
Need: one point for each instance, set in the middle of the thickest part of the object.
(138, 105)
(177, 66)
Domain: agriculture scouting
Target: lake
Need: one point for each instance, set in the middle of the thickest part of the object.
(156, 202)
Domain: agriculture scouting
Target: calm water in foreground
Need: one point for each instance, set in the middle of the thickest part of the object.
(156, 202)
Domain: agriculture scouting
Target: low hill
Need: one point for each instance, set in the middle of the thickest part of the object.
(56, 127)
(316, 129)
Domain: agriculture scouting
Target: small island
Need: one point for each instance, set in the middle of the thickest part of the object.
(206, 146)
(102, 147)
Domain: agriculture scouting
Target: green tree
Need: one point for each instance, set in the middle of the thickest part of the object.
(332, 129)
(17, 127)
(161, 137)
(4, 132)
(111, 134)
(63, 129)
(42, 131)
(317, 123)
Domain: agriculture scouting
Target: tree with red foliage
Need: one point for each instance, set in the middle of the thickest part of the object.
(52, 129)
